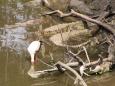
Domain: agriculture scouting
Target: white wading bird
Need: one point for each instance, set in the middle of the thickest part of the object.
(33, 49)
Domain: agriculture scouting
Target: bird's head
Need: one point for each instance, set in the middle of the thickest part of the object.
(41, 42)
(44, 42)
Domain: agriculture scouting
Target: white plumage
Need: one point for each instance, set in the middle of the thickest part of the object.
(33, 48)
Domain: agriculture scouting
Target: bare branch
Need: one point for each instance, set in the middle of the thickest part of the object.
(73, 13)
(86, 54)
(74, 72)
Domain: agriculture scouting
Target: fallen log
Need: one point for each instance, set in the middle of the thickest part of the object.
(57, 39)
(103, 64)
(64, 27)
(35, 74)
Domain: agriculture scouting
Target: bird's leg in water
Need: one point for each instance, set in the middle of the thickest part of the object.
(36, 57)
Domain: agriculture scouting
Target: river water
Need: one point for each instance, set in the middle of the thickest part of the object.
(14, 63)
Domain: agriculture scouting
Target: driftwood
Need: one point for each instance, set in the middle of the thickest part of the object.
(60, 33)
(73, 13)
(101, 66)
(106, 11)
(64, 27)
(75, 56)
(101, 17)
(78, 77)
(56, 39)
(36, 74)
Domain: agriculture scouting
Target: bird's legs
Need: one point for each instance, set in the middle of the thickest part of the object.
(36, 57)
(32, 58)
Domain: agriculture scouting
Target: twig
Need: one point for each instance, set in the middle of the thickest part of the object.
(86, 54)
(87, 57)
(46, 63)
(51, 55)
(109, 40)
(76, 57)
(80, 45)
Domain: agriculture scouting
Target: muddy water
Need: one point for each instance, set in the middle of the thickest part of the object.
(14, 62)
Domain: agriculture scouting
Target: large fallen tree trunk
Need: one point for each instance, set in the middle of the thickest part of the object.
(64, 27)
(59, 39)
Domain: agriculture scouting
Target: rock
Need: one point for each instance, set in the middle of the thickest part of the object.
(59, 4)
(113, 5)
(99, 6)
(36, 3)
(80, 6)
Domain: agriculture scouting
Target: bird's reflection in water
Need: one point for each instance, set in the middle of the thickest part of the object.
(43, 81)
(32, 72)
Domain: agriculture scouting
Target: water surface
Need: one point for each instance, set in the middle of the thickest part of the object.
(14, 62)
